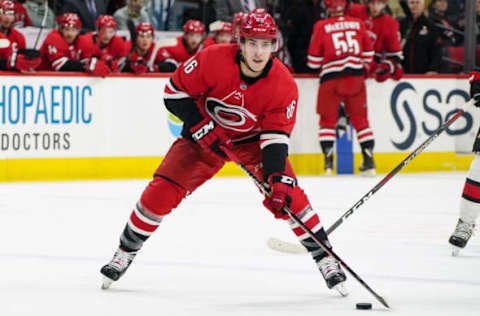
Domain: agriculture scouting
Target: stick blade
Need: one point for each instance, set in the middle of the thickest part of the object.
(285, 247)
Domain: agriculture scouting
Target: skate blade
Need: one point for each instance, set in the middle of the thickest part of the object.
(455, 251)
(341, 288)
(328, 172)
(106, 283)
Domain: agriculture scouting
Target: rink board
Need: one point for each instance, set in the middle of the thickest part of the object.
(56, 127)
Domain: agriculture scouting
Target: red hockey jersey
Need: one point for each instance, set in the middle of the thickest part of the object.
(474, 76)
(178, 54)
(55, 51)
(266, 108)
(116, 48)
(22, 18)
(339, 45)
(16, 38)
(5, 52)
(383, 30)
(135, 57)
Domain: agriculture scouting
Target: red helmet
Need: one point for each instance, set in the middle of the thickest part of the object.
(336, 6)
(69, 20)
(194, 26)
(105, 21)
(226, 28)
(259, 25)
(238, 18)
(259, 10)
(7, 7)
(144, 28)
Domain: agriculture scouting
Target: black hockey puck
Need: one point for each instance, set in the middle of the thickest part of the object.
(364, 306)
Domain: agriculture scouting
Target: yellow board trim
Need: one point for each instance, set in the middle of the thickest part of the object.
(60, 169)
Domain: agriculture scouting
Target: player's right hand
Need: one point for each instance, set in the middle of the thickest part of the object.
(98, 67)
(282, 186)
(211, 136)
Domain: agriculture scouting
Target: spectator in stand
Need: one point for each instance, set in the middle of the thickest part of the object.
(36, 11)
(299, 33)
(190, 43)
(10, 60)
(21, 16)
(66, 50)
(477, 9)
(227, 8)
(87, 10)
(143, 56)
(114, 5)
(437, 12)
(422, 48)
(135, 11)
(108, 46)
(7, 16)
(222, 32)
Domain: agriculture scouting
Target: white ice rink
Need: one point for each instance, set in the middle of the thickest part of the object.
(209, 257)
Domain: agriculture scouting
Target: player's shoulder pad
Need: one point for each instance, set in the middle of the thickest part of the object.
(56, 39)
(283, 77)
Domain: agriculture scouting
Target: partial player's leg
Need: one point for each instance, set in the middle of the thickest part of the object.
(185, 167)
(327, 108)
(356, 106)
(250, 155)
(469, 208)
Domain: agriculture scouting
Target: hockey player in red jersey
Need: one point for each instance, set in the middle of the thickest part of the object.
(65, 50)
(108, 46)
(222, 32)
(385, 34)
(341, 48)
(239, 99)
(22, 18)
(7, 16)
(236, 23)
(143, 57)
(190, 43)
(13, 60)
(470, 200)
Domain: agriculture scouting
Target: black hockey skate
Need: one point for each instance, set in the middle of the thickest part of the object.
(333, 274)
(368, 165)
(461, 235)
(329, 164)
(113, 270)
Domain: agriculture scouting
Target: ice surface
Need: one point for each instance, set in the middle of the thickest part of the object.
(209, 257)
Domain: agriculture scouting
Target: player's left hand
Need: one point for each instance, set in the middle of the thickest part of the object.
(282, 186)
(98, 67)
(211, 136)
(382, 72)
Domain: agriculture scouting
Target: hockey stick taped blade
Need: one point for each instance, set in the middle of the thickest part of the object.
(284, 246)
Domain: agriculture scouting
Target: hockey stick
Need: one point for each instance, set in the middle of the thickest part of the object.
(42, 26)
(267, 192)
(284, 246)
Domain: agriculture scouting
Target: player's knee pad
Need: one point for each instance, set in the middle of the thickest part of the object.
(299, 200)
(470, 201)
(359, 122)
(474, 172)
(161, 196)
